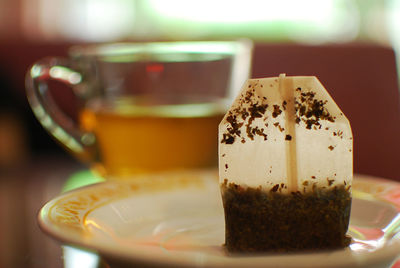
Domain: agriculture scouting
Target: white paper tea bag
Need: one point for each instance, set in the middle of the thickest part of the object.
(285, 146)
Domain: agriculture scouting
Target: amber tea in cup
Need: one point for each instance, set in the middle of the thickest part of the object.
(145, 107)
(134, 138)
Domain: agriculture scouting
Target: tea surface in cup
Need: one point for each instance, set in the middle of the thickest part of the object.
(136, 135)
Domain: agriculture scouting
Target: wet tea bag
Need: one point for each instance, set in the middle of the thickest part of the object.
(285, 167)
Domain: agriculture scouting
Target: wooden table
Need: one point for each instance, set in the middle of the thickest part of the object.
(23, 191)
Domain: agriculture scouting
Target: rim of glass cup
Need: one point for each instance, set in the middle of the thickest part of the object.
(138, 51)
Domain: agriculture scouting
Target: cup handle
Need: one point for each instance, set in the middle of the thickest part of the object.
(52, 118)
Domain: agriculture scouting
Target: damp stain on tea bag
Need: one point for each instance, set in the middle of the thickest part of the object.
(284, 138)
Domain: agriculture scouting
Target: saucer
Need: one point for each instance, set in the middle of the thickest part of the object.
(177, 220)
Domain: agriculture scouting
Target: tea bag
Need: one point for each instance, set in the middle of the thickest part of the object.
(285, 167)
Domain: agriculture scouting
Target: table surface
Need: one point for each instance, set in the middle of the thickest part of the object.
(23, 192)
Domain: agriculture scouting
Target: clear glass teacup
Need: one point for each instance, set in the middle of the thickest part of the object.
(141, 107)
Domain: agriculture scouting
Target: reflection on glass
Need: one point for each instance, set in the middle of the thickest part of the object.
(74, 258)
(79, 179)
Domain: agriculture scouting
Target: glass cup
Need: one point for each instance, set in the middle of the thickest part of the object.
(139, 107)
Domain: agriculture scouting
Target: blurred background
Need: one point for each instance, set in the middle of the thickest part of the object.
(353, 46)
(31, 29)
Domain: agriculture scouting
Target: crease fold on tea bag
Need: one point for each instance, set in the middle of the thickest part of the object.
(285, 167)
(286, 90)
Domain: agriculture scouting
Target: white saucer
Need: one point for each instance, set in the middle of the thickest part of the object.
(178, 220)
